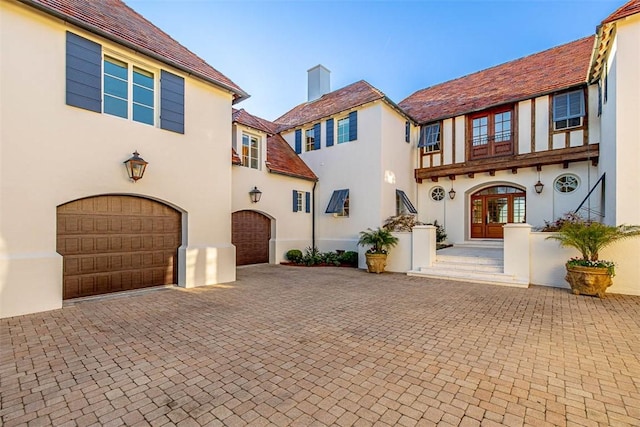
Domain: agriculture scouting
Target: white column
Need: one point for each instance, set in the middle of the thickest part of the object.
(424, 246)
(517, 251)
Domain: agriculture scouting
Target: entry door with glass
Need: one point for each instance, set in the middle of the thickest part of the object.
(494, 207)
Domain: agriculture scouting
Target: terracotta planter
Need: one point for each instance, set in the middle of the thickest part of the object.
(588, 280)
(376, 262)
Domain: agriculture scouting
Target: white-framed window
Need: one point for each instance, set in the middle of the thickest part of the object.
(298, 201)
(437, 194)
(343, 130)
(403, 204)
(128, 91)
(568, 109)
(310, 140)
(430, 138)
(567, 183)
(250, 151)
(339, 203)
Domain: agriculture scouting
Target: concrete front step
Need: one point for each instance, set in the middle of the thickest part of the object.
(493, 243)
(456, 264)
(492, 278)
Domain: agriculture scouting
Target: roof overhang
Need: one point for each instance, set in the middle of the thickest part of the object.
(237, 93)
(605, 35)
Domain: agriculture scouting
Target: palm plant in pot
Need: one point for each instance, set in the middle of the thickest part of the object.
(380, 241)
(589, 275)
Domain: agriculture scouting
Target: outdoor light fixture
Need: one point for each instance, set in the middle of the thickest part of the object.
(135, 166)
(452, 193)
(538, 185)
(255, 195)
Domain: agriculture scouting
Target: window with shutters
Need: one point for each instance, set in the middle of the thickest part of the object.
(339, 203)
(310, 140)
(250, 151)
(298, 201)
(568, 110)
(128, 91)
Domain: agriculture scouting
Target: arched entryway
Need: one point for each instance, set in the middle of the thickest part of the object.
(250, 233)
(116, 243)
(493, 207)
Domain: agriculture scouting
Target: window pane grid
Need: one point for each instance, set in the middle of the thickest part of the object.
(480, 131)
(117, 86)
(250, 151)
(309, 140)
(343, 130)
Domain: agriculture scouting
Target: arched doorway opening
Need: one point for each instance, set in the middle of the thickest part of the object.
(250, 233)
(114, 243)
(493, 207)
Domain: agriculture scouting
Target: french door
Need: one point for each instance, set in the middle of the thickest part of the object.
(494, 207)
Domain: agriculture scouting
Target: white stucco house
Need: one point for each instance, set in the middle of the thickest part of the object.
(357, 141)
(72, 222)
(264, 230)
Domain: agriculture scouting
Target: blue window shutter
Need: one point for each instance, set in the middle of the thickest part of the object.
(560, 107)
(336, 203)
(599, 99)
(407, 132)
(84, 73)
(316, 136)
(307, 200)
(353, 126)
(171, 102)
(329, 132)
(298, 141)
(422, 142)
(295, 200)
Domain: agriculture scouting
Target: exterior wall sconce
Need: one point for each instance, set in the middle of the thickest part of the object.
(538, 187)
(135, 166)
(452, 193)
(255, 195)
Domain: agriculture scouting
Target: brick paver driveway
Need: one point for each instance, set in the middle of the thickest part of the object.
(331, 346)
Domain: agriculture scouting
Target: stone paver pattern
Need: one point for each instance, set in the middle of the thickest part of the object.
(326, 346)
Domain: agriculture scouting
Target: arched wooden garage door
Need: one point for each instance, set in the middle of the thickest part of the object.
(117, 243)
(250, 234)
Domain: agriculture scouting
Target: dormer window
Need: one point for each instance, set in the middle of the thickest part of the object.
(250, 151)
(568, 110)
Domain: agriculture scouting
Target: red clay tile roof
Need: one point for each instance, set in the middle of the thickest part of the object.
(628, 9)
(351, 96)
(555, 69)
(281, 159)
(118, 22)
(235, 159)
(255, 122)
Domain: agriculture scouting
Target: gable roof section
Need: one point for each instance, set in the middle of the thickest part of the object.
(605, 35)
(116, 21)
(351, 96)
(551, 70)
(281, 159)
(628, 9)
(242, 117)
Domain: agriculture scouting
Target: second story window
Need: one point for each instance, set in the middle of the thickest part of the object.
(128, 91)
(250, 151)
(343, 130)
(430, 138)
(568, 110)
(491, 133)
(309, 140)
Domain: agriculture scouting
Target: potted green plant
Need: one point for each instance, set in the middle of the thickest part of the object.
(380, 241)
(590, 275)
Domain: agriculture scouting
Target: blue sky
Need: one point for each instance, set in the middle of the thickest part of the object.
(267, 46)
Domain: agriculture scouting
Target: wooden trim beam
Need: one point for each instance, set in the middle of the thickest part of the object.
(562, 156)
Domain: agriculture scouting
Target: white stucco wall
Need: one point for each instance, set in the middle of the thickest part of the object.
(53, 153)
(289, 229)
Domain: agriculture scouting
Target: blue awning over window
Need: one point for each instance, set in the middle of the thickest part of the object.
(336, 204)
(406, 201)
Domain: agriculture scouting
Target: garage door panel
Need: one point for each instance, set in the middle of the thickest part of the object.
(251, 232)
(112, 243)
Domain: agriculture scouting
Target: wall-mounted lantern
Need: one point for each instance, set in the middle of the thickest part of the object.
(135, 166)
(452, 193)
(538, 187)
(255, 195)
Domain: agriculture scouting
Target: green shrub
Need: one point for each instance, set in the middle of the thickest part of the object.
(294, 255)
(330, 258)
(312, 256)
(349, 258)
